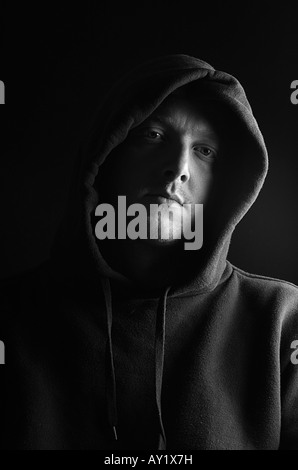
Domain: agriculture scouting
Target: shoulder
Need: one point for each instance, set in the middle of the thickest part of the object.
(275, 298)
(271, 294)
(17, 280)
(17, 288)
(269, 284)
(275, 303)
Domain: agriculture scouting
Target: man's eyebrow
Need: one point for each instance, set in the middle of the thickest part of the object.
(157, 118)
(167, 120)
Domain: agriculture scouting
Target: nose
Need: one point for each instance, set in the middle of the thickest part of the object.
(176, 165)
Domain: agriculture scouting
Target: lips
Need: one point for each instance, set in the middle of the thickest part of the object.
(165, 197)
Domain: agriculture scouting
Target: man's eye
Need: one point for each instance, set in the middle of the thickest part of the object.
(146, 135)
(206, 151)
(152, 135)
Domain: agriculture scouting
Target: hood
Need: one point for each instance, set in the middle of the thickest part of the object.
(130, 101)
(240, 176)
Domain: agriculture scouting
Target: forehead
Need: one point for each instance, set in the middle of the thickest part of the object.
(183, 115)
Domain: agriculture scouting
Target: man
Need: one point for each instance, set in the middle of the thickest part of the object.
(138, 343)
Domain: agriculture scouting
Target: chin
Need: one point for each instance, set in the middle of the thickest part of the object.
(165, 233)
(162, 243)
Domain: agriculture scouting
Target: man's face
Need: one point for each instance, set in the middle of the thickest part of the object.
(169, 158)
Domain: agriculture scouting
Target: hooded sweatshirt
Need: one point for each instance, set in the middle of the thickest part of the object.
(207, 364)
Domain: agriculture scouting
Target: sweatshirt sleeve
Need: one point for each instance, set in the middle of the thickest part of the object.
(289, 374)
(289, 408)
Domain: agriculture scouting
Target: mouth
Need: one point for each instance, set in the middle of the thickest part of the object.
(164, 197)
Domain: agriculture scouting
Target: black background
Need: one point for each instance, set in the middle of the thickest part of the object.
(57, 63)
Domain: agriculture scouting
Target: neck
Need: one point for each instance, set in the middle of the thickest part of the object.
(150, 267)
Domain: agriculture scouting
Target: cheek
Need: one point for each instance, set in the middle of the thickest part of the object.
(201, 186)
